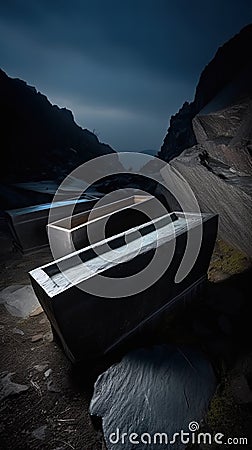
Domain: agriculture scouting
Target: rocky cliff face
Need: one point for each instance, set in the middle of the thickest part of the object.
(230, 60)
(180, 133)
(218, 164)
(40, 140)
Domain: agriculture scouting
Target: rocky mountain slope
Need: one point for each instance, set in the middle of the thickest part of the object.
(210, 140)
(40, 140)
(230, 60)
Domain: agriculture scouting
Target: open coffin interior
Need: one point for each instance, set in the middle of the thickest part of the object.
(73, 222)
(85, 263)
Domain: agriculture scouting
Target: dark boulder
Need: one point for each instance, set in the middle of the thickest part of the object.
(162, 389)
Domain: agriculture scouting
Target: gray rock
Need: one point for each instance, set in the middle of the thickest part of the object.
(6, 293)
(209, 141)
(40, 433)
(19, 300)
(7, 387)
(37, 337)
(232, 201)
(214, 89)
(157, 390)
(41, 367)
(52, 387)
(48, 337)
(18, 331)
(47, 373)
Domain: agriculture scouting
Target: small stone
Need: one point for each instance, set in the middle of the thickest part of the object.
(48, 337)
(42, 321)
(18, 331)
(37, 311)
(40, 433)
(217, 276)
(48, 373)
(60, 448)
(51, 387)
(40, 367)
(7, 387)
(37, 337)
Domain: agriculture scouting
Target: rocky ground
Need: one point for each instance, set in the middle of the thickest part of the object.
(52, 413)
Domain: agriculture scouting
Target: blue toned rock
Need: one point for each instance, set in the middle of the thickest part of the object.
(161, 389)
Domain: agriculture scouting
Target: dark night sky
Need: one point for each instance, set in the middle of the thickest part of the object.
(122, 67)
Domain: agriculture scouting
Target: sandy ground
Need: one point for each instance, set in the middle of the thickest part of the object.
(52, 413)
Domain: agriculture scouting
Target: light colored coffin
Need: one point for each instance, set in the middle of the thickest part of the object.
(73, 233)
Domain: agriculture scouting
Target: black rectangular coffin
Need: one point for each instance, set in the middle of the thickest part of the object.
(90, 325)
(28, 225)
